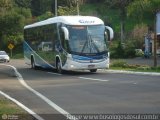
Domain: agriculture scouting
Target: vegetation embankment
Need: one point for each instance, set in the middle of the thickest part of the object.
(130, 19)
(123, 65)
(135, 28)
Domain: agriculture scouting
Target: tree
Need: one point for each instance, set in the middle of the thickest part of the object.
(120, 5)
(39, 7)
(145, 9)
(149, 8)
(12, 20)
(67, 11)
(23, 3)
(5, 5)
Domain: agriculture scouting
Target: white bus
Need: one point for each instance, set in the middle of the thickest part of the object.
(72, 43)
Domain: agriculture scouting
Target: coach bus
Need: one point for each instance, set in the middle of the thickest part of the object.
(68, 43)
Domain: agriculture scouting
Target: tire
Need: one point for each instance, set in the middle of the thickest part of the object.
(33, 66)
(59, 68)
(93, 70)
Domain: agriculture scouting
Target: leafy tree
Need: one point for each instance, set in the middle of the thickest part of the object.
(23, 3)
(12, 20)
(5, 5)
(46, 15)
(121, 6)
(39, 7)
(67, 11)
(145, 9)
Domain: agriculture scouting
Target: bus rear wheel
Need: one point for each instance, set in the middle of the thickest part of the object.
(93, 70)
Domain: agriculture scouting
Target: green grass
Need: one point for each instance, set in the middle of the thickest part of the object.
(123, 65)
(8, 108)
(17, 56)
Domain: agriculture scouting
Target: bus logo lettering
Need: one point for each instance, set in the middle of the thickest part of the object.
(86, 21)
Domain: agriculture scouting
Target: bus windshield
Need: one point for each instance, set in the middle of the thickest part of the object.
(87, 39)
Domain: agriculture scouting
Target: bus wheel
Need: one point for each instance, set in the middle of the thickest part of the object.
(93, 70)
(33, 66)
(59, 69)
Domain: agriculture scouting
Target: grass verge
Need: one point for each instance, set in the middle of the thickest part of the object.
(122, 65)
(9, 110)
(17, 56)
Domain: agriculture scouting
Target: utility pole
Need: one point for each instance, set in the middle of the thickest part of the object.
(55, 7)
(157, 30)
(155, 49)
(78, 7)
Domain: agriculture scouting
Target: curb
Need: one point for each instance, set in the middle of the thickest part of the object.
(132, 72)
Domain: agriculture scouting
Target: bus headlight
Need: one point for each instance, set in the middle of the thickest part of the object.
(72, 66)
(69, 57)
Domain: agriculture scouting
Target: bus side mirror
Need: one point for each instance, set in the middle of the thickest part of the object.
(66, 33)
(111, 33)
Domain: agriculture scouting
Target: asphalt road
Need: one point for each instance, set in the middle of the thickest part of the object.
(50, 95)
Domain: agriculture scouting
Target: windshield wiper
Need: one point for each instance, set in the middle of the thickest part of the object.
(93, 44)
(84, 46)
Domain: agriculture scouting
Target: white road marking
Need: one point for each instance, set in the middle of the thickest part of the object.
(49, 102)
(22, 106)
(54, 73)
(101, 80)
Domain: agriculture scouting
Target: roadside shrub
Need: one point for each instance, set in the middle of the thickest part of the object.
(143, 67)
(138, 34)
(117, 51)
(122, 50)
(129, 53)
(119, 63)
(156, 68)
(139, 53)
(134, 66)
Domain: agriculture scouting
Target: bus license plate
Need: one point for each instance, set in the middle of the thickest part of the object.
(91, 66)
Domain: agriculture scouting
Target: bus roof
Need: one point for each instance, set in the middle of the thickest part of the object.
(69, 20)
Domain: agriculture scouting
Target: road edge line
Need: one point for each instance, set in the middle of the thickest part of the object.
(48, 101)
(93, 79)
(22, 106)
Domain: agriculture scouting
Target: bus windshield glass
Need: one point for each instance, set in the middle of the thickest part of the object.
(87, 39)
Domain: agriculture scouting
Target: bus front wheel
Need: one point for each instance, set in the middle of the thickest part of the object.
(33, 66)
(93, 70)
(59, 68)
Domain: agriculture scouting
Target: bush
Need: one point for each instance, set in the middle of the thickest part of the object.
(134, 66)
(117, 51)
(122, 51)
(156, 68)
(119, 63)
(144, 67)
(129, 53)
(139, 53)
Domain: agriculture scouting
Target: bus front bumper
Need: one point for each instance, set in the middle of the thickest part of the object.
(74, 65)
